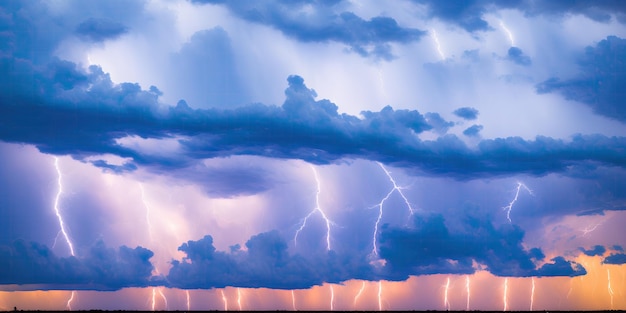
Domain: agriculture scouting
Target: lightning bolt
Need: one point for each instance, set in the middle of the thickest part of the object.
(505, 299)
(146, 204)
(62, 230)
(239, 298)
(608, 275)
(317, 209)
(509, 207)
(433, 34)
(508, 33)
(532, 294)
(293, 300)
(332, 298)
(70, 300)
(358, 295)
(446, 303)
(380, 295)
(57, 211)
(467, 290)
(188, 300)
(381, 205)
(590, 228)
(224, 300)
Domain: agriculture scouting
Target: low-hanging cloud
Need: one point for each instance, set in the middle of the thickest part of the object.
(100, 268)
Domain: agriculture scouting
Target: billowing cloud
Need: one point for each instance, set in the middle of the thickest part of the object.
(265, 262)
(430, 247)
(67, 98)
(597, 250)
(600, 82)
(102, 268)
(320, 21)
(615, 258)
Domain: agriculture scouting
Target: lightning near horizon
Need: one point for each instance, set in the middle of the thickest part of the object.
(317, 209)
(532, 294)
(467, 290)
(505, 299)
(224, 300)
(446, 303)
(358, 295)
(57, 211)
(611, 293)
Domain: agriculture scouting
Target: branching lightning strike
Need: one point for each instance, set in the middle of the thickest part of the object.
(293, 300)
(317, 209)
(509, 207)
(381, 205)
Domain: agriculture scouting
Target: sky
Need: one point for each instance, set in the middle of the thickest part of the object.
(313, 155)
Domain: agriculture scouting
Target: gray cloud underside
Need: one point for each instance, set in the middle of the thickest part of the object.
(101, 268)
(46, 105)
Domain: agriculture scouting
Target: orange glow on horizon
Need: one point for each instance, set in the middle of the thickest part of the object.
(589, 292)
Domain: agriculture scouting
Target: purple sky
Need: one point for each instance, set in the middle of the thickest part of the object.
(334, 154)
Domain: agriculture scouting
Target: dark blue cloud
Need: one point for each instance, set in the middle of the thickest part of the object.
(100, 29)
(101, 268)
(61, 98)
(473, 131)
(597, 250)
(466, 113)
(265, 263)
(517, 56)
(615, 258)
(324, 23)
(430, 247)
(561, 267)
(601, 81)
(468, 15)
